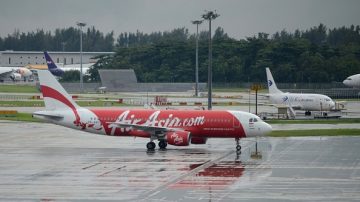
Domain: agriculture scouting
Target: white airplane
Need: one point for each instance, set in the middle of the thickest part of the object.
(353, 81)
(15, 73)
(298, 101)
(175, 127)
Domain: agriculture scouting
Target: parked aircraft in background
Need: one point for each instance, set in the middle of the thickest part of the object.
(16, 74)
(298, 101)
(353, 81)
(52, 66)
(58, 69)
(175, 127)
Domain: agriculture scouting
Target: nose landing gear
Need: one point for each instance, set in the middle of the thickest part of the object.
(238, 146)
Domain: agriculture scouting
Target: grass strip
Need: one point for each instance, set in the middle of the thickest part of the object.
(316, 132)
(20, 117)
(18, 89)
(40, 103)
(315, 121)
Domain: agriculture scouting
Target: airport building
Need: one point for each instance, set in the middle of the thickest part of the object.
(23, 58)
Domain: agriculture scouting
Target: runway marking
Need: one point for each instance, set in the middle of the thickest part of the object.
(102, 175)
(91, 166)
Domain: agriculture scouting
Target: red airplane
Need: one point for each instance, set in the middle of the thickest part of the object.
(175, 127)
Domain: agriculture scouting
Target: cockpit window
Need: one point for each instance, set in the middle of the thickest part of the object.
(348, 79)
(251, 120)
(327, 99)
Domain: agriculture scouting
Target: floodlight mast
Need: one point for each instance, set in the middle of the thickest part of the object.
(197, 23)
(210, 15)
(81, 25)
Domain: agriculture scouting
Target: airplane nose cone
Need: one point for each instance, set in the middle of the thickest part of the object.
(266, 128)
(332, 105)
(346, 82)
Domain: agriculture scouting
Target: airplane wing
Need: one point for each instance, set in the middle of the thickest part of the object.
(144, 128)
(5, 72)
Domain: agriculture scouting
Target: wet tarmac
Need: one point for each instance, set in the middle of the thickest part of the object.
(48, 162)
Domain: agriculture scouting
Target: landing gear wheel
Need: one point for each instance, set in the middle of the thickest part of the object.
(162, 144)
(150, 146)
(238, 148)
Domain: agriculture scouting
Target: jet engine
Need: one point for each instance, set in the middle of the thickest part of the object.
(198, 140)
(178, 138)
(24, 72)
(15, 76)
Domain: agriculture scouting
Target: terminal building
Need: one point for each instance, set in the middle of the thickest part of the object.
(23, 58)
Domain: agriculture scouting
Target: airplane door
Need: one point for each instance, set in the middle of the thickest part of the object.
(236, 122)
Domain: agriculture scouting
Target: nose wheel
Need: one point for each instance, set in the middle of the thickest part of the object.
(238, 146)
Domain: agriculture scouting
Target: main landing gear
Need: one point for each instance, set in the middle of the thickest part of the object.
(151, 145)
(238, 146)
(162, 144)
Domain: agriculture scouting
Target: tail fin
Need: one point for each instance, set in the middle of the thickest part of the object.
(50, 63)
(54, 94)
(271, 83)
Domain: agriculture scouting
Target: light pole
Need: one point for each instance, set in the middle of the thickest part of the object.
(81, 24)
(210, 15)
(197, 23)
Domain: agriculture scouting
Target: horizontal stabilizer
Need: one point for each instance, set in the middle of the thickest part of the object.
(49, 114)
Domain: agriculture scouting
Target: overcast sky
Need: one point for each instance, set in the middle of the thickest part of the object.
(239, 18)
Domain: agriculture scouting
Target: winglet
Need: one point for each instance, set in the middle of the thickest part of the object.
(271, 83)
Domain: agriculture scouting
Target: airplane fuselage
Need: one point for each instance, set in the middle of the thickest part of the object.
(200, 123)
(353, 81)
(308, 102)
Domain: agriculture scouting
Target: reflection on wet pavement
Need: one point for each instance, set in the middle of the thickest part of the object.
(70, 165)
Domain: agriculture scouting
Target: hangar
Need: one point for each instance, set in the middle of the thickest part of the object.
(21, 58)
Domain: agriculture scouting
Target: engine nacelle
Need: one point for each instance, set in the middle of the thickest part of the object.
(198, 140)
(178, 138)
(15, 76)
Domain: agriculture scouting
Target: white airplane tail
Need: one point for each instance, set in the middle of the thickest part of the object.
(55, 96)
(271, 83)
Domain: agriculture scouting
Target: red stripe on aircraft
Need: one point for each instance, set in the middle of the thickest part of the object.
(52, 93)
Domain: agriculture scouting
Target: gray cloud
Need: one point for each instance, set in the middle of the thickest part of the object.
(238, 18)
